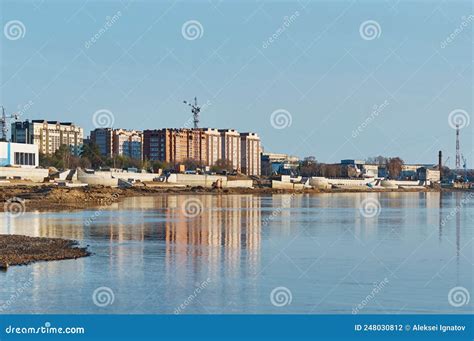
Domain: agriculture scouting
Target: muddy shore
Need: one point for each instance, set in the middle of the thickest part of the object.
(50, 197)
(22, 250)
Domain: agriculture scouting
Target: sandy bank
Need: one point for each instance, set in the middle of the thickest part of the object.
(21, 250)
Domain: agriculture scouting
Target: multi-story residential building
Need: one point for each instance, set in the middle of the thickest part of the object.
(178, 145)
(128, 143)
(103, 138)
(211, 149)
(48, 135)
(230, 144)
(204, 145)
(250, 153)
(168, 145)
(121, 142)
(154, 145)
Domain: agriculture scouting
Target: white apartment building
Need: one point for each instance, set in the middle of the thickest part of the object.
(128, 143)
(230, 143)
(211, 146)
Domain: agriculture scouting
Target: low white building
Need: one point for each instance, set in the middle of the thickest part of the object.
(18, 155)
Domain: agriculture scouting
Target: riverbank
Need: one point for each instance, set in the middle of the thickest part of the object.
(46, 197)
(22, 250)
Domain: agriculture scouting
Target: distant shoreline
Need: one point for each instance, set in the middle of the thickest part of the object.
(50, 197)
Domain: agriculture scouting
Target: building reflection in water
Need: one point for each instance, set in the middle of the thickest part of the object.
(221, 242)
(227, 229)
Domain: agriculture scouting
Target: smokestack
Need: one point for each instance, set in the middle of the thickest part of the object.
(440, 164)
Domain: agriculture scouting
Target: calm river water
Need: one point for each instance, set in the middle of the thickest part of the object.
(327, 253)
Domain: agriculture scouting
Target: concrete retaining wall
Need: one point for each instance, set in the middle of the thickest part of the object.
(32, 174)
(196, 180)
(135, 176)
(401, 183)
(97, 178)
(286, 185)
(239, 184)
(349, 182)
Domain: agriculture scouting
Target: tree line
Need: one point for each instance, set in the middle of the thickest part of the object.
(311, 167)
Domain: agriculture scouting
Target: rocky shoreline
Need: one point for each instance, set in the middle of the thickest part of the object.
(22, 250)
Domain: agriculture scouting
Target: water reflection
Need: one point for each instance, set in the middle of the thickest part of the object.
(150, 250)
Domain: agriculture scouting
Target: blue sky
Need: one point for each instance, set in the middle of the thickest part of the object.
(321, 70)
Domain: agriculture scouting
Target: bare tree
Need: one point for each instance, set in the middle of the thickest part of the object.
(309, 167)
(377, 160)
(394, 167)
(222, 165)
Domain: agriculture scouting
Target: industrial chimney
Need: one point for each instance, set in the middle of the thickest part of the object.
(440, 165)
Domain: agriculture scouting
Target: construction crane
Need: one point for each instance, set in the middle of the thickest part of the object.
(195, 109)
(3, 123)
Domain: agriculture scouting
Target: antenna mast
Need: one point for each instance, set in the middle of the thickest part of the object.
(458, 152)
(195, 109)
